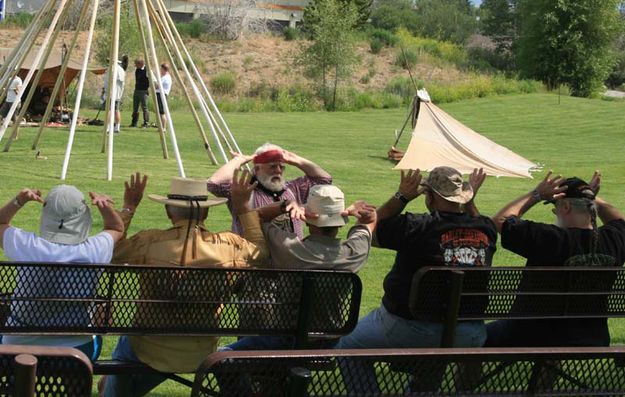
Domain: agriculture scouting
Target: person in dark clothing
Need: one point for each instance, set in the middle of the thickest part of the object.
(140, 95)
(575, 240)
(452, 234)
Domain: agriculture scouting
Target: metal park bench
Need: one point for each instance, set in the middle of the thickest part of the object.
(44, 372)
(449, 295)
(402, 372)
(88, 299)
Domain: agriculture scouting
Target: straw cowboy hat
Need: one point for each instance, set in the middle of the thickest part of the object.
(184, 191)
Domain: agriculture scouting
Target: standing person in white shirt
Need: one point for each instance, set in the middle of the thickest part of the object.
(13, 94)
(166, 83)
(63, 238)
(120, 81)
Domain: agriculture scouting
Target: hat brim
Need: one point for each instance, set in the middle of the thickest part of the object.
(74, 231)
(463, 197)
(186, 204)
(328, 220)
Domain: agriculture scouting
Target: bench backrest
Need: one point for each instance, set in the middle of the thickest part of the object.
(133, 300)
(449, 295)
(400, 372)
(57, 371)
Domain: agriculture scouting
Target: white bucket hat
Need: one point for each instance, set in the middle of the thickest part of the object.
(183, 191)
(66, 218)
(328, 202)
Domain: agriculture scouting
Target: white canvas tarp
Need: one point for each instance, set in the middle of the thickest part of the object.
(439, 139)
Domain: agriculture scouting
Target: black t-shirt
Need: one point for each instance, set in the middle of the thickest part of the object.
(549, 245)
(437, 239)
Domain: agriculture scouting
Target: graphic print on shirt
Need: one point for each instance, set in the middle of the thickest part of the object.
(464, 247)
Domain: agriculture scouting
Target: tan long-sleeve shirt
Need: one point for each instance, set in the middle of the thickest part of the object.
(204, 248)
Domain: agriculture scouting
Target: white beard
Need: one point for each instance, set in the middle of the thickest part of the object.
(274, 183)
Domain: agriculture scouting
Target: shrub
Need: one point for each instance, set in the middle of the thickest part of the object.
(20, 20)
(365, 79)
(193, 29)
(290, 34)
(388, 38)
(376, 45)
(406, 59)
(402, 87)
(223, 83)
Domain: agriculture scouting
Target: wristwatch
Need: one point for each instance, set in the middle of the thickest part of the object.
(17, 203)
(400, 196)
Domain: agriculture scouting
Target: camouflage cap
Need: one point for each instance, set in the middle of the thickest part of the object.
(447, 182)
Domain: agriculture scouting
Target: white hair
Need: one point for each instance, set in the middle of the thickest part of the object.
(266, 147)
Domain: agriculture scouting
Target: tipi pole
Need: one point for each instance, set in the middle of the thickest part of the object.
(199, 77)
(165, 39)
(172, 132)
(41, 68)
(29, 36)
(37, 60)
(161, 131)
(207, 115)
(112, 87)
(81, 84)
(61, 77)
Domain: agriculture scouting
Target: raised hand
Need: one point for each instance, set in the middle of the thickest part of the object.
(25, 195)
(290, 157)
(357, 208)
(133, 192)
(100, 200)
(595, 183)
(549, 188)
(243, 158)
(296, 211)
(241, 190)
(476, 179)
(409, 184)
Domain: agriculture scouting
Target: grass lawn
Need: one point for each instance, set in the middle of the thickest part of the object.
(573, 138)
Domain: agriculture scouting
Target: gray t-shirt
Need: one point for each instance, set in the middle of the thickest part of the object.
(318, 252)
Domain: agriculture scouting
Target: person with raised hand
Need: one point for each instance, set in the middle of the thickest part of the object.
(324, 214)
(451, 234)
(574, 240)
(63, 237)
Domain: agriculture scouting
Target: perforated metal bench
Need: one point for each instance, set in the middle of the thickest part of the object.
(415, 372)
(44, 372)
(72, 299)
(449, 295)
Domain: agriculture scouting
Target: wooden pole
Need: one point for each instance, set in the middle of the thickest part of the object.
(199, 78)
(172, 132)
(112, 87)
(44, 48)
(79, 89)
(24, 45)
(59, 80)
(161, 131)
(164, 39)
(211, 122)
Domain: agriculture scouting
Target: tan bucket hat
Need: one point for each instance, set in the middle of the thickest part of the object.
(183, 191)
(328, 202)
(447, 182)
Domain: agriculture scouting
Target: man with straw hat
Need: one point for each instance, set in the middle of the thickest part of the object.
(187, 243)
(451, 234)
(63, 238)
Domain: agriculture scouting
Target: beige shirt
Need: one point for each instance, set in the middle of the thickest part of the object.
(318, 252)
(165, 248)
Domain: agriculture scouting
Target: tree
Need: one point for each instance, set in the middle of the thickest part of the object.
(393, 14)
(568, 42)
(499, 21)
(331, 55)
(362, 8)
(448, 20)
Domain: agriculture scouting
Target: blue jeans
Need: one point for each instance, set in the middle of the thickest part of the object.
(383, 330)
(134, 385)
(91, 349)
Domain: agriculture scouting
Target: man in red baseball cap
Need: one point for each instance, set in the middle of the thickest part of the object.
(269, 163)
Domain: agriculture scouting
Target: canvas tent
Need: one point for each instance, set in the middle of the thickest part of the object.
(52, 68)
(439, 139)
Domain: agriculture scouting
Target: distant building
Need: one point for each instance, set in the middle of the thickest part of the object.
(287, 12)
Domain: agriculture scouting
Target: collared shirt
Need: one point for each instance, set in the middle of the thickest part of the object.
(15, 90)
(318, 252)
(165, 248)
(166, 83)
(296, 189)
(119, 81)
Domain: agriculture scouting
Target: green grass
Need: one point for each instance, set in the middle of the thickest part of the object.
(573, 138)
